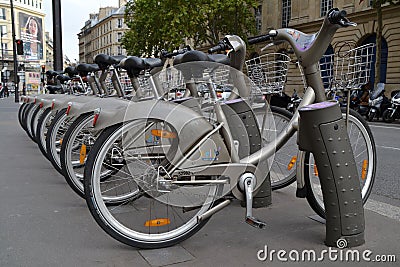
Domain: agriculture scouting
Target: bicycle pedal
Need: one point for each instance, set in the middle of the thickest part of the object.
(256, 222)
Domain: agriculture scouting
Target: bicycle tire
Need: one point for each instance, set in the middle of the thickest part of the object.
(41, 130)
(73, 180)
(315, 198)
(20, 113)
(116, 227)
(35, 118)
(29, 118)
(51, 146)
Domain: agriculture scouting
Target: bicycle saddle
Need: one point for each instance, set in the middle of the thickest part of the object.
(71, 71)
(63, 78)
(191, 56)
(133, 65)
(105, 61)
(87, 67)
(53, 73)
(153, 62)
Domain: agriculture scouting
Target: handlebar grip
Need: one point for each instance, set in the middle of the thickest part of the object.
(335, 15)
(218, 48)
(323, 132)
(259, 39)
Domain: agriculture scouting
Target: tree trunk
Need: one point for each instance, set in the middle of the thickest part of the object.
(378, 42)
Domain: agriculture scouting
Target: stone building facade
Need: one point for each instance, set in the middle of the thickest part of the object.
(102, 33)
(307, 16)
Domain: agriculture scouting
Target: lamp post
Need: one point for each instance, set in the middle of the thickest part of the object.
(2, 55)
(16, 78)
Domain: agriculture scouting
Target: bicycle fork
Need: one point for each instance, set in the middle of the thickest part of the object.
(322, 131)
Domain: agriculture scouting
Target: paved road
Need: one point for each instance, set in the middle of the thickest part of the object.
(387, 139)
(43, 223)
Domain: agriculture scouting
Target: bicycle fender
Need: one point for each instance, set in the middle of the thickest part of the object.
(81, 107)
(190, 125)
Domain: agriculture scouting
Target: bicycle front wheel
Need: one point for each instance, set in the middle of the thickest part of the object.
(149, 214)
(363, 145)
(283, 168)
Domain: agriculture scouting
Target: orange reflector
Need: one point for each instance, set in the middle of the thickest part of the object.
(82, 154)
(315, 170)
(41, 105)
(364, 169)
(52, 104)
(163, 133)
(291, 163)
(157, 222)
(61, 141)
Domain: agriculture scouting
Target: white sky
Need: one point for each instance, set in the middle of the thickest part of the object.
(74, 13)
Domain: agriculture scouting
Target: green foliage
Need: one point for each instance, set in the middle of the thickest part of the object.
(155, 24)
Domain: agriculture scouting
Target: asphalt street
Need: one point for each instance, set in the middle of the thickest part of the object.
(44, 223)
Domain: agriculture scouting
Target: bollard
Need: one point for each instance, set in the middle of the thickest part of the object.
(322, 131)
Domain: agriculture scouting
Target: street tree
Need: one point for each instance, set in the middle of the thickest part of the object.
(168, 24)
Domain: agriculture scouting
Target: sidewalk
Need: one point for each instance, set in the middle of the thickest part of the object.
(43, 223)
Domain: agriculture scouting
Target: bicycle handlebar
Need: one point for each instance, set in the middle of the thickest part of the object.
(222, 46)
(167, 54)
(259, 39)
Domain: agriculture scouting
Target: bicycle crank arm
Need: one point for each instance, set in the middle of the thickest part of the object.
(323, 132)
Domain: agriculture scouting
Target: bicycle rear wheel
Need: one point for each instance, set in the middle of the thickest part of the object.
(363, 145)
(152, 216)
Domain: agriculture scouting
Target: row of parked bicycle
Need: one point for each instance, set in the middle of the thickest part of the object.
(153, 168)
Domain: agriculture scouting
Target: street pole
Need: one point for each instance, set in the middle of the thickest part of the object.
(2, 58)
(57, 36)
(16, 78)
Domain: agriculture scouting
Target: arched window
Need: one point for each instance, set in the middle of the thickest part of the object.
(286, 12)
(326, 66)
(326, 5)
(384, 52)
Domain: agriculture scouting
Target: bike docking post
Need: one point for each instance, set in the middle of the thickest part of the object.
(322, 131)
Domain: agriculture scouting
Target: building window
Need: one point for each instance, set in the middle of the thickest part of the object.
(119, 50)
(3, 30)
(326, 5)
(2, 13)
(286, 12)
(4, 49)
(119, 37)
(119, 23)
(258, 16)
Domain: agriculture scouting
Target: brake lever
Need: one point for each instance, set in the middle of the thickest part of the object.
(347, 23)
(271, 44)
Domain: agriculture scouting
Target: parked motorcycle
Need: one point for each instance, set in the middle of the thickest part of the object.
(294, 102)
(378, 102)
(393, 112)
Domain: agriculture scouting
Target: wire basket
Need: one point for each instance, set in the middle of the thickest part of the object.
(171, 79)
(268, 72)
(347, 70)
